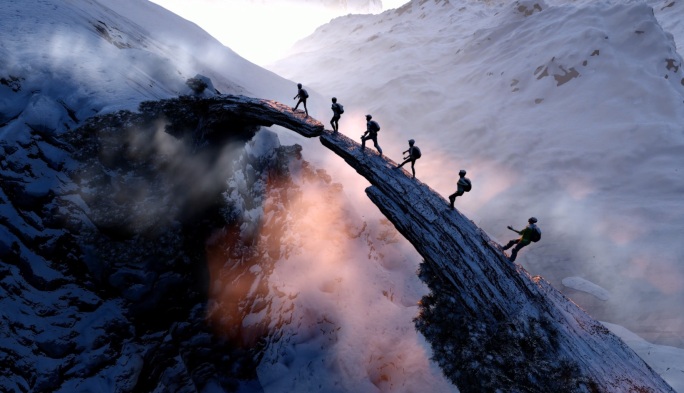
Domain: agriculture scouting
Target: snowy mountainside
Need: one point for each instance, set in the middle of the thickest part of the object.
(669, 15)
(81, 58)
(557, 110)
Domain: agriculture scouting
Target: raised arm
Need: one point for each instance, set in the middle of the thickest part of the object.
(516, 231)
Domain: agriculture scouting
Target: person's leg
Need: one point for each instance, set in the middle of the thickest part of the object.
(413, 169)
(405, 162)
(332, 123)
(453, 196)
(514, 251)
(375, 142)
(305, 110)
(452, 199)
(297, 106)
(363, 142)
(511, 244)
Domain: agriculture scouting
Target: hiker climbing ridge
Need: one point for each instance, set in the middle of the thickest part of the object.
(531, 233)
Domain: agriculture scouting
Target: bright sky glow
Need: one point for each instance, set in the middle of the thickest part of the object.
(258, 32)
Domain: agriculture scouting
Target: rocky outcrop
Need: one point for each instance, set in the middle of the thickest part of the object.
(206, 120)
(150, 184)
(491, 325)
(104, 266)
(102, 244)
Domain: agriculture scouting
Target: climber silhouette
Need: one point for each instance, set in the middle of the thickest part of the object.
(302, 95)
(531, 233)
(338, 110)
(463, 185)
(413, 154)
(372, 128)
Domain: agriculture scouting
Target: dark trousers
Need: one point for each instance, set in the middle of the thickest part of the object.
(518, 245)
(374, 138)
(413, 163)
(302, 101)
(458, 193)
(452, 197)
(334, 122)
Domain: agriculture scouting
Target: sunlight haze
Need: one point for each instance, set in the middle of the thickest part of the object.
(258, 32)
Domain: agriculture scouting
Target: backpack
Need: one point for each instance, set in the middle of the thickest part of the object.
(340, 109)
(304, 94)
(416, 152)
(536, 235)
(467, 186)
(374, 126)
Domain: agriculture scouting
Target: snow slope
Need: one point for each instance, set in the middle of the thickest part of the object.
(568, 111)
(99, 57)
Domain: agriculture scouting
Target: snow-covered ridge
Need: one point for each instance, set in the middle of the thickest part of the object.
(64, 61)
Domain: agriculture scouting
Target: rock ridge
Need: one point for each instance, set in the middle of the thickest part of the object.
(490, 323)
(536, 339)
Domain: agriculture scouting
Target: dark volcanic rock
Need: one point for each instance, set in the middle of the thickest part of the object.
(207, 119)
(103, 261)
(104, 265)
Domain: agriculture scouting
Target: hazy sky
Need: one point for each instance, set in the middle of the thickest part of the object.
(259, 33)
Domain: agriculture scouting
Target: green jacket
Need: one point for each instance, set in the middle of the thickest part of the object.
(526, 234)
